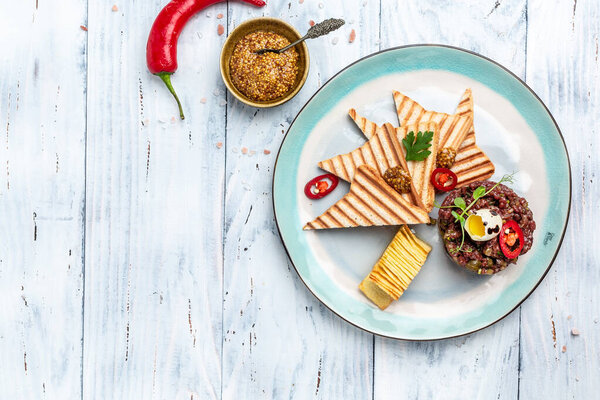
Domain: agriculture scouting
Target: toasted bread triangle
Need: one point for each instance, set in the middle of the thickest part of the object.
(368, 128)
(385, 150)
(370, 202)
(471, 163)
(465, 108)
(453, 128)
(420, 171)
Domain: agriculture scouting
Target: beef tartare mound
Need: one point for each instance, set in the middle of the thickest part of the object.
(485, 257)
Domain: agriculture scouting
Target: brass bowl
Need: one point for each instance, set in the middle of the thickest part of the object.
(270, 25)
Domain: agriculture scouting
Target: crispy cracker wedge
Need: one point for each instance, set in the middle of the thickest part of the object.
(385, 150)
(395, 270)
(471, 163)
(453, 128)
(370, 202)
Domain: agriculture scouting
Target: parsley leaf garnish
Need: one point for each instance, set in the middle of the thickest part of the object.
(416, 149)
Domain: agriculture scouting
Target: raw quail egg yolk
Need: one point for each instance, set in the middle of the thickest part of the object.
(483, 225)
(476, 227)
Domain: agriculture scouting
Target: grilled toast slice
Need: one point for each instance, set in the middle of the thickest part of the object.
(420, 171)
(368, 128)
(370, 202)
(453, 128)
(471, 163)
(385, 150)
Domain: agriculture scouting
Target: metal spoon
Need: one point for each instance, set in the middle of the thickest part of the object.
(320, 29)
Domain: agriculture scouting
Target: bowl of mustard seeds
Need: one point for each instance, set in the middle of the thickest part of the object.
(264, 80)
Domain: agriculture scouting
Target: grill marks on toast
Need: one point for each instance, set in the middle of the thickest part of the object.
(370, 202)
(420, 171)
(383, 151)
(368, 128)
(471, 163)
(453, 128)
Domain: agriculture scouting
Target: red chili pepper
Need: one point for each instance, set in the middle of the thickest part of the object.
(318, 187)
(440, 178)
(322, 186)
(161, 50)
(511, 239)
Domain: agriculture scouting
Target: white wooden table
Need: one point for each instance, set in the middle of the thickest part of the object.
(139, 259)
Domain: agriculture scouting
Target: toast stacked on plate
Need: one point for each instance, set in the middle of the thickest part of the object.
(373, 201)
(471, 163)
(385, 150)
(370, 202)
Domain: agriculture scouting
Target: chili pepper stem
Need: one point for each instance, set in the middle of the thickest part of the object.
(166, 78)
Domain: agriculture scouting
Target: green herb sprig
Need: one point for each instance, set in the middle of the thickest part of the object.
(461, 204)
(416, 149)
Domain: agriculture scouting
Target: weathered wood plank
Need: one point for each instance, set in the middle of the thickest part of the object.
(42, 184)
(483, 365)
(154, 212)
(279, 341)
(563, 68)
(154, 280)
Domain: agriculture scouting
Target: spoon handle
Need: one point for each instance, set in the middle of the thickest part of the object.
(320, 29)
(289, 46)
(324, 27)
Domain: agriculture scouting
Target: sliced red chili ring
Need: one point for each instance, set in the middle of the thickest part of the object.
(440, 178)
(509, 229)
(314, 188)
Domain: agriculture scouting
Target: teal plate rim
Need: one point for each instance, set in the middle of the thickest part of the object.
(498, 68)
